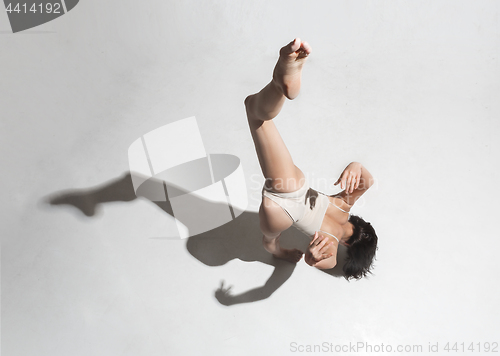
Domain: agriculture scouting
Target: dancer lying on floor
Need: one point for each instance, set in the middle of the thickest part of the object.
(287, 198)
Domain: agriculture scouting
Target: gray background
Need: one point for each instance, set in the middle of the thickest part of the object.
(410, 89)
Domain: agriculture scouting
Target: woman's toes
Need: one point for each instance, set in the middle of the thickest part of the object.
(307, 47)
(295, 45)
(291, 47)
(298, 255)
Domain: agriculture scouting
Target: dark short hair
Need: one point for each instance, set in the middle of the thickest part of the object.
(361, 249)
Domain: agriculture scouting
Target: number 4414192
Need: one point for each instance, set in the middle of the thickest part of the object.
(472, 347)
(47, 8)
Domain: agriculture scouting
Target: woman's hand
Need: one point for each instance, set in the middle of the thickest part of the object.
(317, 250)
(350, 177)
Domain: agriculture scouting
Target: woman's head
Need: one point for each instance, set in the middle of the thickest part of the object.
(361, 249)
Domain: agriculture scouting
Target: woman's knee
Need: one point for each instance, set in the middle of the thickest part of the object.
(254, 112)
(249, 105)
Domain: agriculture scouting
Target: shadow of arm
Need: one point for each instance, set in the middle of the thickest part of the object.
(282, 271)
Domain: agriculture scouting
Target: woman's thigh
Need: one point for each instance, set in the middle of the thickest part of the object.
(281, 174)
(273, 220)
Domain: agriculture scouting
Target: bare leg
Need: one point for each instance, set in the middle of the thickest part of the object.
(275, 160)
(272, 245)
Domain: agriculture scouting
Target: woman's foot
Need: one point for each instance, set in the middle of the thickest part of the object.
(288, 70)
(272, 245)
(292, 255)
(82, 201)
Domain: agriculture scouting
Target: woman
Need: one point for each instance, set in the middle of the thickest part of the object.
(287, 198)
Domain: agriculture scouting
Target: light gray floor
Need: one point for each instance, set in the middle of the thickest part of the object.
(410, 89)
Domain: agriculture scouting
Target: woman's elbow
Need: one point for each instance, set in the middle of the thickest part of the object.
(367, 182)
(370, 183)
(325, 264)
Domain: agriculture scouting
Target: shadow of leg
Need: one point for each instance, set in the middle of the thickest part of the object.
(86, 200)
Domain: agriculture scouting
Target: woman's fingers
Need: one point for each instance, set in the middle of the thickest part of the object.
(325, 247)
(350, 179)
(322, 243)
(349, 184)
(353, 182)
(324, 256)
(342, 179)
(317, 242)
(314, 238)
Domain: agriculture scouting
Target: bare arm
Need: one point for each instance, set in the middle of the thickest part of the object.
(322, 253)
(355, 180)
(327, 263)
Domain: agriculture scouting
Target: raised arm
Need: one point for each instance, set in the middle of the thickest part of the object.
(355, 180)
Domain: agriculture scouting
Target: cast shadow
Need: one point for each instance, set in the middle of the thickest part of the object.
(240, 238)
